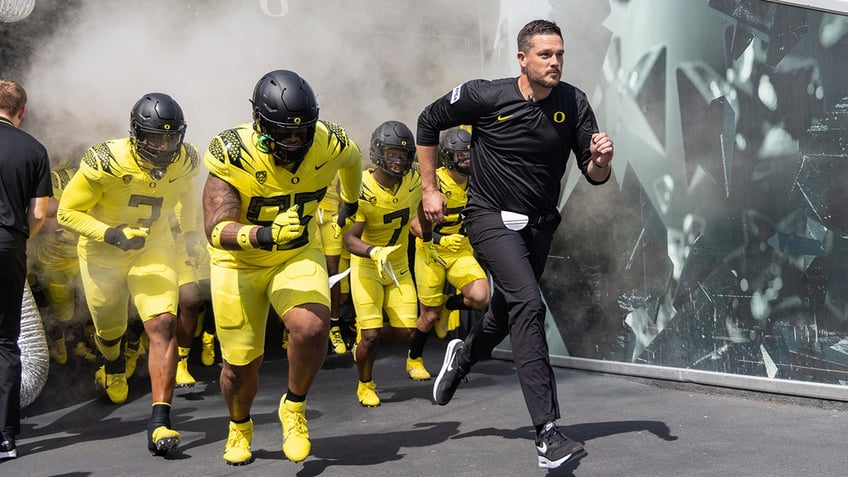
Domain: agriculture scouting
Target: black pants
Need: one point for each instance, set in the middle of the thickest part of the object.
(13, 272)
(516, 260)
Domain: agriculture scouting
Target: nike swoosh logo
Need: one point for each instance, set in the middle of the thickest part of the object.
(504, 118)
(542, 448)
(321, 165)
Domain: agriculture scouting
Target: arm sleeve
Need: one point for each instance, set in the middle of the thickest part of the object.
(186, 211)
(187, 208)
(81, 195)
(350, 174)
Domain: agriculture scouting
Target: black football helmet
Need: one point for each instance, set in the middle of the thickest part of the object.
(393, 135)
(157, 130)
(285, 112)
(455, 150)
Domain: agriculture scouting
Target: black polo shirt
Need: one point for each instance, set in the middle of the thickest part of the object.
(519, 148)
(24, 175)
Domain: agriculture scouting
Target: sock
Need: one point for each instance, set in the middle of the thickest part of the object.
(117, 366)
(416, 347)
(292, 397)
(241, 421)
(456, 302)
(160, 415)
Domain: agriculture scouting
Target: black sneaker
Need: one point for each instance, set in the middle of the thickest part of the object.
(450, 375)
(8, 449)
(555, 449)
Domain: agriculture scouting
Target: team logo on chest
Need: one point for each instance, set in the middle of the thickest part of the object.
(261, 176)
(127, 178)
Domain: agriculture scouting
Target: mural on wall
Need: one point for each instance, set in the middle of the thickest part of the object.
(723, 244)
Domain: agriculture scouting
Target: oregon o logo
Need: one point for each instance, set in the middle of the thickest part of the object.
(559, 117)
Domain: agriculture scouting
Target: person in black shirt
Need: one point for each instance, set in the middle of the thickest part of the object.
(523, 131)
(25, 189)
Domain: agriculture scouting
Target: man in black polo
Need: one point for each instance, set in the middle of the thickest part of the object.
(24, 191)
(523, 131)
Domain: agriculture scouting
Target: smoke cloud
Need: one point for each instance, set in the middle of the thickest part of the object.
(368, 61)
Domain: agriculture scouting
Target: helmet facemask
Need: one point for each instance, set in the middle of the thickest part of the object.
(288, 143)
(159, 148)
(393, 160)
(460, 161)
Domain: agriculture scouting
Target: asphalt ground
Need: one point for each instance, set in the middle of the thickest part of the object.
(629, 426)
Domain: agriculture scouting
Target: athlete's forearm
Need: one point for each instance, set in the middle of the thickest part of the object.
(221, 210)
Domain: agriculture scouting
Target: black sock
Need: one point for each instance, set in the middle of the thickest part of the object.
(241, 421)
(456, 302)
(160, 415)
(116, 367)
(290, 396)
(416, 346)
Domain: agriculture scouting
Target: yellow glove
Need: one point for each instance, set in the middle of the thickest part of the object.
(451, 242)
(432, 256)
(343, 221)
(286, 226)
(380, 255)
(126, 237)
(195, 244)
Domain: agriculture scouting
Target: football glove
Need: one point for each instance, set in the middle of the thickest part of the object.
(345, 218)
(451, 242)
(125, 237)
(380, 255)
(431, 256)
(286, 226)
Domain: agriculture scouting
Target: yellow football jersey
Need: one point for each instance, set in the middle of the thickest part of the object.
(387, 213)
(56, 248)
(266, 189)
(455, 198)
(111, 188)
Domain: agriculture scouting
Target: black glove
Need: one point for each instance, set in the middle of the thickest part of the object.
(347, 213)
(345, 218)
(125, 237)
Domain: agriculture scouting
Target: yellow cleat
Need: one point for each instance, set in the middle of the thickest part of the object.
(131, 354)
(453, 320)
(238, 451)
(207, 353)
(115, 385)
(336, 341)
(162, 440)
(82, 352)
(184, 378)
(296, 445)
(285, 343)
(416, 370)
(58, 351)
(441, 325)
(367, 394)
